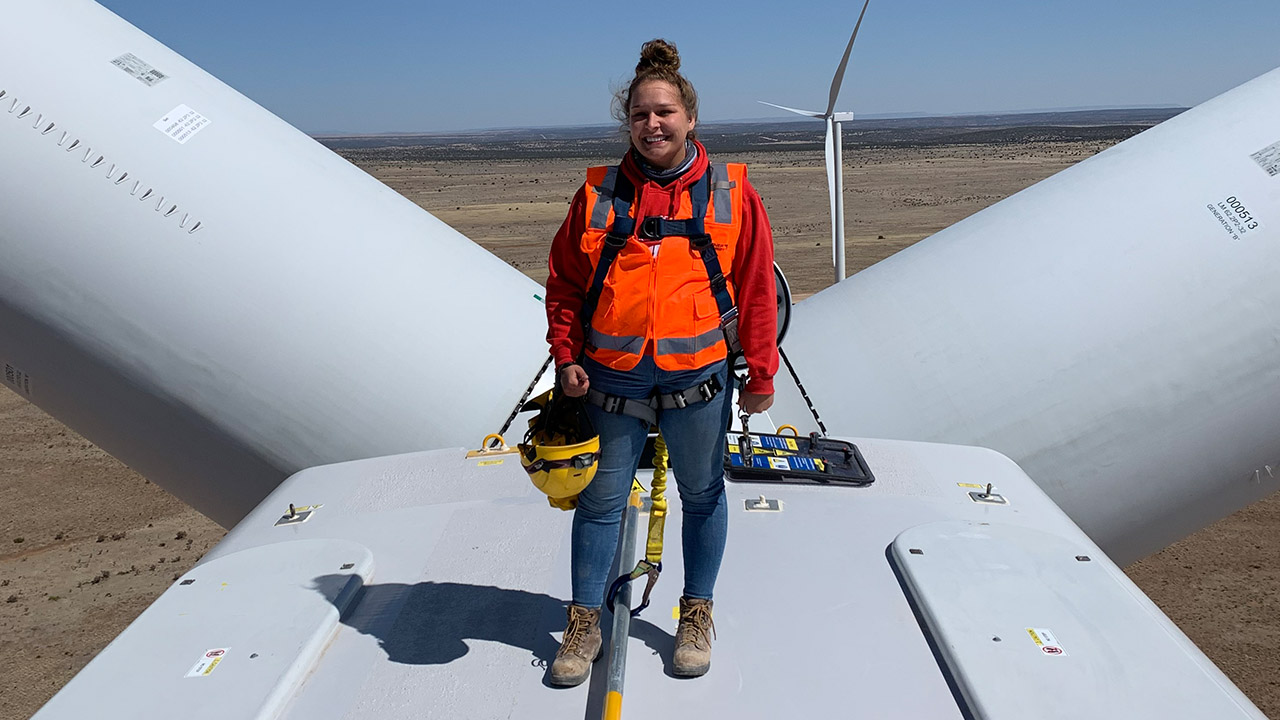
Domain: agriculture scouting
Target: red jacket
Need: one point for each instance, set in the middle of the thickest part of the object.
(751, 274)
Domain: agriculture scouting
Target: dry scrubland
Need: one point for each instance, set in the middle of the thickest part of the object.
(87, 544)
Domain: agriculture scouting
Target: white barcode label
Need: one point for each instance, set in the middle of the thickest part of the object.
(1268, 158)
(139, 68)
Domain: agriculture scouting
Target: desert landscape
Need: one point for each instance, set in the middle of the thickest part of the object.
(86, 544)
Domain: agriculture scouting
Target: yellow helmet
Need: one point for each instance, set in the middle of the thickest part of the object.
(561, 450)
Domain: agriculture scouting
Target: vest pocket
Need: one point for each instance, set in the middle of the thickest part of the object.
(704, 305)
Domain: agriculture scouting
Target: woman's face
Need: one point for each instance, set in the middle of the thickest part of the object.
(659, 123)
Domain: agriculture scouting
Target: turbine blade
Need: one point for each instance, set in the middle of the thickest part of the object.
(839, 78)
(809, 113)
(831, 185)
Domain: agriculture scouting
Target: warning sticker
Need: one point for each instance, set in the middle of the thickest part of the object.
(1046, 641)
(17, 379)
(971, 485)
(208, 663)
(182, 123)
(775, 442)
(1268, 158)
(139, 68)
(487, 463)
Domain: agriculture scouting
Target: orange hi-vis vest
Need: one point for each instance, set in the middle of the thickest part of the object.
(658, 282)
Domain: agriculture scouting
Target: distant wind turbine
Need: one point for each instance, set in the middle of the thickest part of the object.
(835, 174)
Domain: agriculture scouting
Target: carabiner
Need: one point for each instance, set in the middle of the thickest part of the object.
(644, 567)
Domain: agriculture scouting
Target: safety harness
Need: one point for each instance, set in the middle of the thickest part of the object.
(618, 187)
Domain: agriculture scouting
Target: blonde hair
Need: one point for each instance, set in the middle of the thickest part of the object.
(659, 60)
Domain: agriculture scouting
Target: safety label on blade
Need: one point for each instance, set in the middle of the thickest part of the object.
(1268, 158)
(182, 123)
(208, 663)
(139, 68)
(1046, 641)
(17, 379)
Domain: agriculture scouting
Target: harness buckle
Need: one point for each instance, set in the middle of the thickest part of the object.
(702, 244)
(615, 240)
(710, 388)
(612, 404)
(729, 326)
(678, 399)
(651, 228)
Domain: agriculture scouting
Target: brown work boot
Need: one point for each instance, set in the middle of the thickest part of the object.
(693, 638)
(580, 647)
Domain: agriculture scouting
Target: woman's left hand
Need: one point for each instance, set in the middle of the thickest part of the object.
(755, 402)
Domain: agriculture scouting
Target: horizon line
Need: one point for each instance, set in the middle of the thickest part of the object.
(919, 115)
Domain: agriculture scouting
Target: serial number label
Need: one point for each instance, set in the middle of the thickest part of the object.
(182, 123)
(1234, 217)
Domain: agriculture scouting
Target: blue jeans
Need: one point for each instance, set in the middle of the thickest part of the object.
(695, 446)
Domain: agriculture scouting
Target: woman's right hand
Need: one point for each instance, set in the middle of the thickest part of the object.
(574, 380)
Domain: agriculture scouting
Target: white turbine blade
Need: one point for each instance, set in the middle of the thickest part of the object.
(839, 78)
(809, 113)
(831, 185)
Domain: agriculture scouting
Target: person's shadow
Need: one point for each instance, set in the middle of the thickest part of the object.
(429, 623)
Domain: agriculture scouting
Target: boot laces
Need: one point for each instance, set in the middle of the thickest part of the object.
(695, 620)
(579, 628)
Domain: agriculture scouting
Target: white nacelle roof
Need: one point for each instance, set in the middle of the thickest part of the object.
(452, 574)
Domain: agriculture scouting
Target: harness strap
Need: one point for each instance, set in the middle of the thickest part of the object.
(702, 392)
(647, 410)
(656, 228)
(642, 409)
(623, 192)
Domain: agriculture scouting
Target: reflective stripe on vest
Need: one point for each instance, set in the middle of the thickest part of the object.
(721, 199)
(690, 345)
(658, 294)
(604, 200)
(633, 344)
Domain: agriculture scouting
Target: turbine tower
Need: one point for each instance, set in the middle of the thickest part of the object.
(835, 174)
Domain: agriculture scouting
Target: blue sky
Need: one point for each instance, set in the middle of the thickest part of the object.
(400, 66)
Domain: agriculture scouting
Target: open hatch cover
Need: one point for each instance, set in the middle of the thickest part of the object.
(795, 459)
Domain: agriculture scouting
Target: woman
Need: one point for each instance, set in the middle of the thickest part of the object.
(644, 273)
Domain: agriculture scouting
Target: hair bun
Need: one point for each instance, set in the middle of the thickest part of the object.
(658, 54)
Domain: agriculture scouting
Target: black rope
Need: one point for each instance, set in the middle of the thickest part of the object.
(803, 393)
(516, 410)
